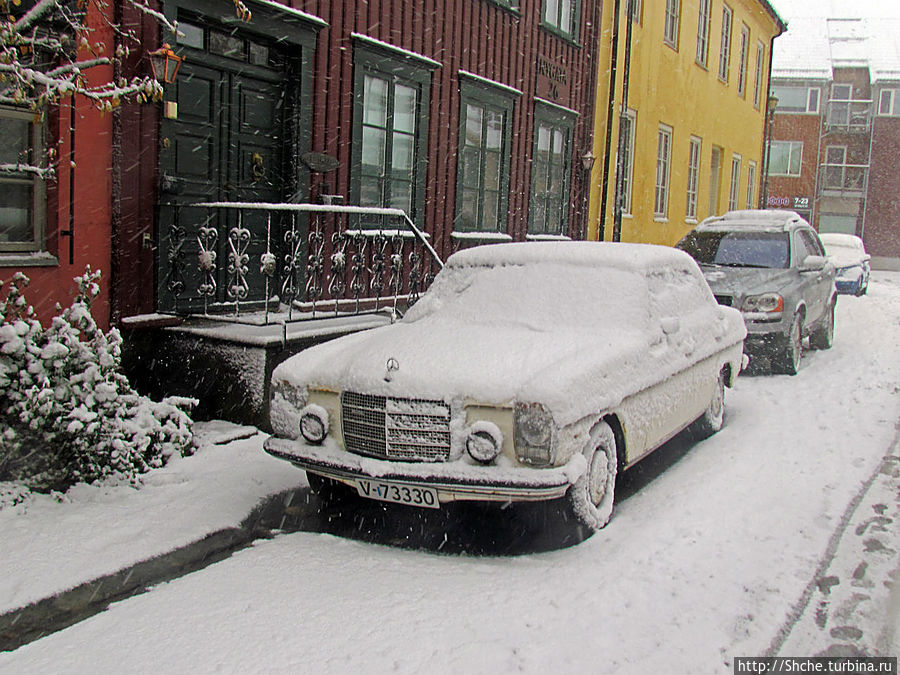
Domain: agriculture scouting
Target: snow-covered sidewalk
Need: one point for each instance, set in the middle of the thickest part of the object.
(51, 546)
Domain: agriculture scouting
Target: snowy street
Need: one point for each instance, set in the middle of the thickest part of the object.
(778, 535)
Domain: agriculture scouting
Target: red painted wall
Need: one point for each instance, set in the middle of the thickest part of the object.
(90, 241)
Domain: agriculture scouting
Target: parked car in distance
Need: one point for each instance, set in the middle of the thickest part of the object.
(848, 253)
(771, 266)
(528, 371)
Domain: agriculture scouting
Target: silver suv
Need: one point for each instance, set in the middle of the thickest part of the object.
(771, 266)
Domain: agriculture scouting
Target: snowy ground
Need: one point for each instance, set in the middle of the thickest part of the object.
(779, 534)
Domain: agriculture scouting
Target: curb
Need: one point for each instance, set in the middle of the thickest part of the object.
(35, 620)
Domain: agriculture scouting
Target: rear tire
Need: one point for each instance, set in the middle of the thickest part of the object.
(591, 497)
(713, 417)
(823, 336)
(787, 360)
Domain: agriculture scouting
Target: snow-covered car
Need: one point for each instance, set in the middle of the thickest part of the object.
(848, 253)
(528, 371)
(770, 265)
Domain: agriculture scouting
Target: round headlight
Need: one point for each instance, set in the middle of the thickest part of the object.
(314, 423)
(484, 441)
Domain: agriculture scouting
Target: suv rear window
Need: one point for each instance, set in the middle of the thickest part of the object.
(739, 249)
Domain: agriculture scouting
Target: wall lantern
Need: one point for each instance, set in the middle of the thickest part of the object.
(165, 64)
(587, 160)
(772, 103)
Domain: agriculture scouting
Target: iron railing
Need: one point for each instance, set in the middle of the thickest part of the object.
(315, 260)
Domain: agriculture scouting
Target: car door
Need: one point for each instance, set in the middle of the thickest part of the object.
(816, 282)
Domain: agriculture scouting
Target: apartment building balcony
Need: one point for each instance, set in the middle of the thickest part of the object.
(848, 116)
(843, 180)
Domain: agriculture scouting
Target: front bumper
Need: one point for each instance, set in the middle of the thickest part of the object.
(453, 481)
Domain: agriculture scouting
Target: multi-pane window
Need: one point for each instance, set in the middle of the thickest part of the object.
(835, 167)
(742, 65)
(889, 102)
(390, 130)
(715, 177)
(693, 180)
(735, 185)
(627, 164)
(725, 44)
(751, 184)
(550, 175)
(758, 82)
(663, 168)
(21, 182)
(483, 170)
(636, 7)
(784, 158)
(670, 31)
(388, 143)
(561, 16)
(703, 32)
(793, 99)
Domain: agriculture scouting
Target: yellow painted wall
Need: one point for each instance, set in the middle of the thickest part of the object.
(669, 87)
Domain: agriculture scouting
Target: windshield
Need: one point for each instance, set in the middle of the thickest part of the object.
(543, 296)
(739, 249)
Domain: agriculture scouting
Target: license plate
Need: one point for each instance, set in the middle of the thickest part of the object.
(399, 493)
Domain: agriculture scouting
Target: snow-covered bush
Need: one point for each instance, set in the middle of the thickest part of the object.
(67, 412)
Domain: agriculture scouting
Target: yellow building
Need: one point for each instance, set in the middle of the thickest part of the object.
(681, 135)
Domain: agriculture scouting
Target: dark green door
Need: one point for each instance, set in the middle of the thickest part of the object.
(225, 141)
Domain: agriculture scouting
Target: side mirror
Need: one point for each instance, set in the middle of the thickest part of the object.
(813, 263)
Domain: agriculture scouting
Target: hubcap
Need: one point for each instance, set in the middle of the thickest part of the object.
(599, 477)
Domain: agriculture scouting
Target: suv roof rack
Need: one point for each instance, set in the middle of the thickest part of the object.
(775, 219)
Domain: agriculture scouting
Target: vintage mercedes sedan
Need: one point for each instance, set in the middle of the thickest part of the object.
(528, 371)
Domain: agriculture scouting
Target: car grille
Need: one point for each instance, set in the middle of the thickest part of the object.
(395, 428)
(726, 300)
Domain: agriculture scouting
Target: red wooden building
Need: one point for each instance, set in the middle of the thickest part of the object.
(471, 117)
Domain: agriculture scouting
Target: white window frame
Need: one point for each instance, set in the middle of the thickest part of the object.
(751, 184)
(893, 103)
(671, 23)
(735, 187)
(812, 97)
(725, 44)
(663, 171)
(695, 153)
(744, 55)
(760, 57)
(31, 177)
(628, 162)
(703, 21)
(795, 146)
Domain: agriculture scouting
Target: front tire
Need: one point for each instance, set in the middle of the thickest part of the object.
(823, 336)
(787, 361)
(591, 497)
(713, 417)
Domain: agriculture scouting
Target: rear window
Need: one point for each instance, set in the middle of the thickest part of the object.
(739, 249)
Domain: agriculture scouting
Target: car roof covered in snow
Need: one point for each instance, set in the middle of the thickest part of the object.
(623, 256)
(773, 220)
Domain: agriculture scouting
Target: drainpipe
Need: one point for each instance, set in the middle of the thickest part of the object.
(604, 186)
(620, 169)
(769, 122)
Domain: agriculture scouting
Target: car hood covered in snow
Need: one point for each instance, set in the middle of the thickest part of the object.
(550, 332)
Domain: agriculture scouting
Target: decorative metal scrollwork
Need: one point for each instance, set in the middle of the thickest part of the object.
(358, 267)
(290, 288)
(415, 275)
(338, 284)
(379, 253)
(315, 266)
(206, 259)
(396, 265)
(177, 236)
(238, 262)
